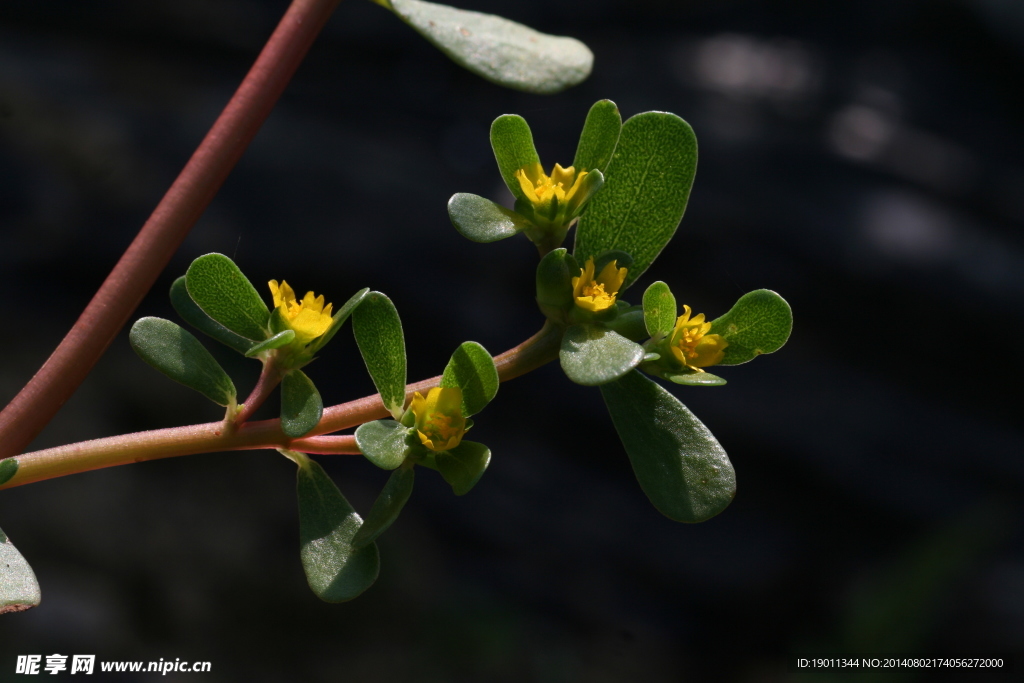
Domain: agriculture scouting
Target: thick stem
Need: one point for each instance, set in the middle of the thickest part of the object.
(269, 378)
(539, 349)
(134, 275)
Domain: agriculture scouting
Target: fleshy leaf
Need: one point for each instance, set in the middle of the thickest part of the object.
(383, 442)
(8, 468)
(387, 507)
(338, 319)
(19, 589)
(760, 322)
(301, 406)
(335, 569)
(647, 185)
(695, 379)
(592, 355)
(600, 135)
(463, 465)
(472, 369)
(176, 353)
(659, 309)
(629, 323)
(680, 465)
(512, 143)
(219, 288)
(378, 332)
(497, 49)
(481, 220)
(280, 339)
(191, 313)
(554, 282)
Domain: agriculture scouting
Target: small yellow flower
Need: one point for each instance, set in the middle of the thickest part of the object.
(597, 294)
(692, 345)
(309, 318)
(439, 421)
(559, 188)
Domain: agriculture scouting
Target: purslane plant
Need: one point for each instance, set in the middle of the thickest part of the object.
(625, 193)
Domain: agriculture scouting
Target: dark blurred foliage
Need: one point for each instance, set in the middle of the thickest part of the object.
(863, 158)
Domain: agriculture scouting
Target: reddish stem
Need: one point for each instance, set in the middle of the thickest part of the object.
(269, 378)
(148, 254)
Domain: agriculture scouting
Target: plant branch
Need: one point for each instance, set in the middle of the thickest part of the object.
(134, 275)
(536, 351)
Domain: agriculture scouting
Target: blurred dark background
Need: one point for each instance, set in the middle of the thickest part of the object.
(864, 159)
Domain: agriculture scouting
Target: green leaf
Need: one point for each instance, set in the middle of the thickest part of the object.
(471, 369)
(497, 49)
(481, 220)
(219, 288)
(194, 316)
(338, 319)
(629, 323)
(19, 589)
(387, 507)
(679, 464)
(593, 355)
(277, 341)
(301, 407)
(647, 185)
(600, 135)
(760, 322)
(512, 143)
(335, 569)
(8, 468)
(659, 310)
(383, 442)
(695, 379)
(378, 332)
(554, 281)
(463, 465)
(175, 352)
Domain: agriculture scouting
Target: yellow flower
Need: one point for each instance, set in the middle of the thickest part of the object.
(439, 421)
(597, 294)
(546, 192)
(692, 345)
(309, 318)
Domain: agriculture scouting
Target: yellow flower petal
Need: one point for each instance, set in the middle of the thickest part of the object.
(691, 344)
(309, 318)
(440, 425)
(599, 294)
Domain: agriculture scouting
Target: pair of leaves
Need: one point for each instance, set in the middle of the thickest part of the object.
(499, 50)
(482, 220)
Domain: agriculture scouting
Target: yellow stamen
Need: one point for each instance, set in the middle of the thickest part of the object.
(598, 294)
(692, 345)
(309, 318)
(561, 185)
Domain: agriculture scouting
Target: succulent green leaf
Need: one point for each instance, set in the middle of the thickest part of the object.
(383, 442)
(178, 354)
(659, 309)
(387, 507)
(301, 406)
(471, 369)
(554, 281)
(683, 470)
(8, 468)
(19, 589)
(219, 288)
(277, 341)
(512, 143)
(336, 570)
(481, 220)
(695, 379)
(629, 323)
(592, 355)
(760, 322)
(194, 316)
(647, 185)
(499, 50)
(463, 465)
(338, 319)
(600, 135)
(378, 332)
